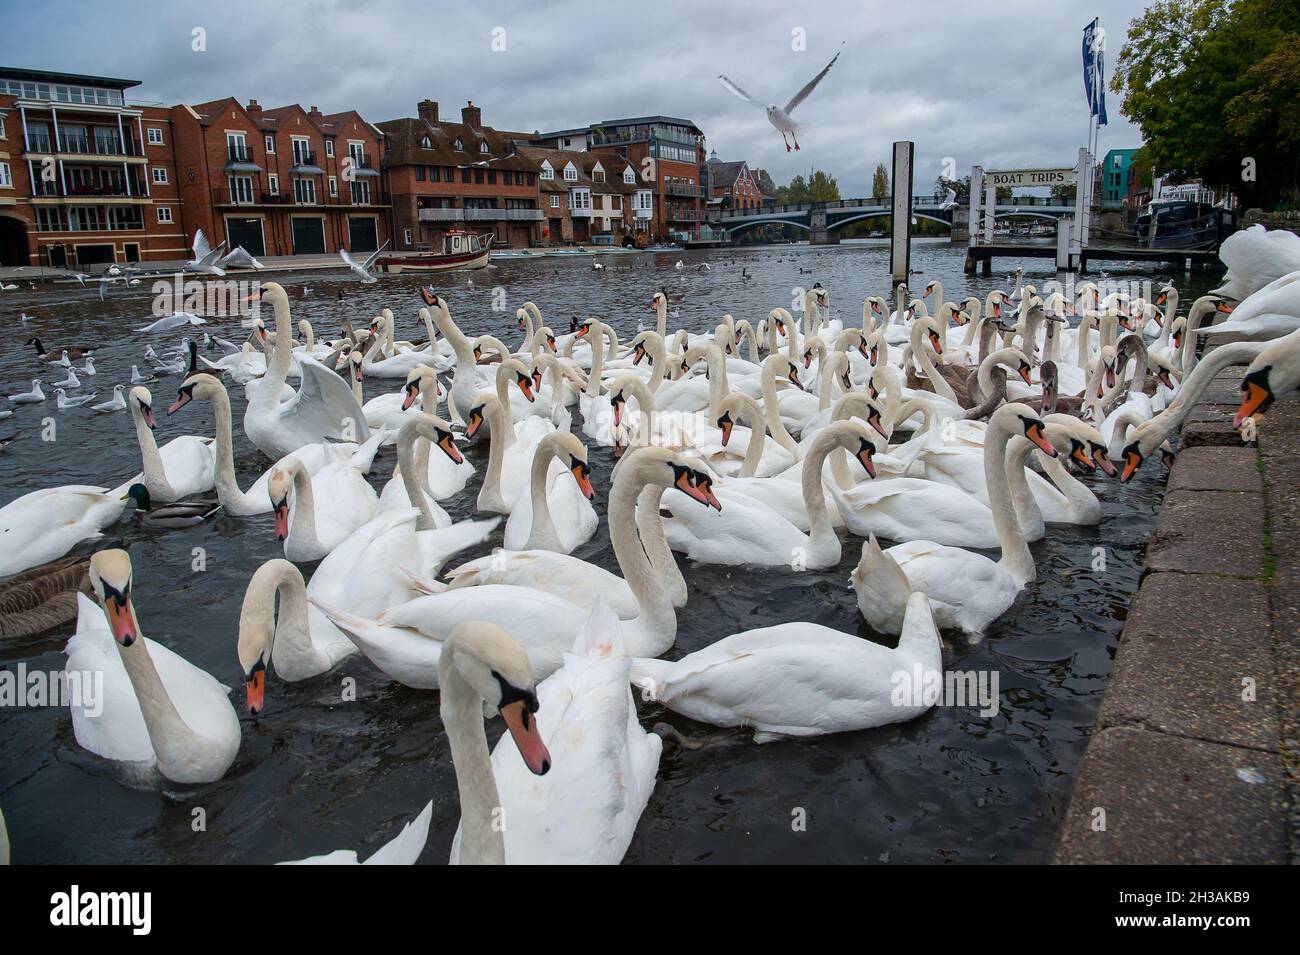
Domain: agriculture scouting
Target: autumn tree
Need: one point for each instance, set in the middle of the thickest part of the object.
(880, 182)
(1213, 85)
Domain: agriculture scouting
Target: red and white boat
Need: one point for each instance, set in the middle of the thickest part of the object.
(460, 250)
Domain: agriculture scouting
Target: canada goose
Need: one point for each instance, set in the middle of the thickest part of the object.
(42, 598)
(51, 354)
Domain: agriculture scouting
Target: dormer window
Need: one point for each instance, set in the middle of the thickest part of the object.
(483, 148)
(629, 176)
(426, 143)
(570, 173)
(547, 171)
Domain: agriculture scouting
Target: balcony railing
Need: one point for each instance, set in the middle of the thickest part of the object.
(580, 213)
(304, 158)
(237, 154)
(83, 145)
(479, 215)
(679, 189)
(222, 196)
(118, 190)
(643, 213)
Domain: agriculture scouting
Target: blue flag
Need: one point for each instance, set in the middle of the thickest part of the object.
(1094, 71)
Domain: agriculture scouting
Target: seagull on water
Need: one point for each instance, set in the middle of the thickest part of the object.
(778, 117)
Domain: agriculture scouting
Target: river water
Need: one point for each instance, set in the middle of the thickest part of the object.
(316, 774)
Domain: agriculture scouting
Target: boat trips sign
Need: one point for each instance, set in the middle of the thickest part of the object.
(1030, 177)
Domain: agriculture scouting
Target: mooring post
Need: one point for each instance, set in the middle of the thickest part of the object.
(900, 241)
(1064, 226)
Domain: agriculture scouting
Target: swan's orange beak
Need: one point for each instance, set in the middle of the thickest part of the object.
(1079, 455)
(522, 326)
(638, 353)
(182, 399)
(121, 616)
(864, 458)
(526, 386)
(281, 509)
(807, 359)
(1163, 377)
(475, 420)
(874, 354)
(582, 330)
(1024, 373)
(1178, 339)
(1132, 461)
(448, 447)
(616, 404)
(1223, 307)
(478, 353)
(1107, 466)
(1110, 377)
(727, 426)
(550, 343)
(1034, 432)
(936, 343)
(1257, 399)
(793, 377)
(412, 392)
(873, 419)
(582, 474)
(256, 688)
(1161, 299)
(149, 419)
(523, 730)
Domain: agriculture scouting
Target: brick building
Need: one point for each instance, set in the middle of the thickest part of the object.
(280, 181)
(584, 194)
(85, 177)
(446, 175)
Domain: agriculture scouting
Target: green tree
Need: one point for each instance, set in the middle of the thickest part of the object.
(1212, 84)
(880, 182)
(818, 187)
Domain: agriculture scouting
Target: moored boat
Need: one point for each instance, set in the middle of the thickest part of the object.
(460, 250)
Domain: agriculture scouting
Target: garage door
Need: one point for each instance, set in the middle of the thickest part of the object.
(308, 236)
(363, 234)
(248, 233)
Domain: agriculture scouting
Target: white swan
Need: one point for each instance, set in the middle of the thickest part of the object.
(747, 531)
(158, 710)
(1274, 372)
(312, 457)
(800, 679)
(482, 670)
(323, 407)
(966, 590)
(309, 532)
(180, 468)
(43, 525)
(552, 512)
(584, 811)
(285, 641)
(404, 640)
(1271, 312)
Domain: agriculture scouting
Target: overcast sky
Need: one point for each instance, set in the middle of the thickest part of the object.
(997, 83)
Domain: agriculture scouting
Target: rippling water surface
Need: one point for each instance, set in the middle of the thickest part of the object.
(315, 774)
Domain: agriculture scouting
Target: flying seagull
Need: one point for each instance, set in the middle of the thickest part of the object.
(778, 117)
(205, 257)
(363, 268)
(241, 258)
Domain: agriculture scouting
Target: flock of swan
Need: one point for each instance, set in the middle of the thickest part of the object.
(949, 428)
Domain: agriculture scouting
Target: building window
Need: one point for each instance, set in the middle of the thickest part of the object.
(6, 178)
(570, 173)
(360, 192)
(334, 188)
(419, 174)
(629, 177)
(483, 148)
(270, 145)
(155, 135)
(464, 176)
(458, 145)
(241, 189)
(478, 177)
(547, 171)
(555, 201)
(236, 147)
(302, 152)
(598, 175)
(159, 176)
(273, 184)
(304, 191)
(329, 148)
(164, 214)
(492, 177)
(425, 143)
(406, 236)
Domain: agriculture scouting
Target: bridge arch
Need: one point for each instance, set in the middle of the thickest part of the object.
(831, 226)
(748, 224)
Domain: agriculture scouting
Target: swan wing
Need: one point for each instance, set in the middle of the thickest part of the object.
(320, 408)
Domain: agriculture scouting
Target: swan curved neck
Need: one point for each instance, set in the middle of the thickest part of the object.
(1016, 559)
(155, 475)
(461, 708)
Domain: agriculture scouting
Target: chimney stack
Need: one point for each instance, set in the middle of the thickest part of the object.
(254, 106)
(314, 113)
(472, 116)
(428, 110)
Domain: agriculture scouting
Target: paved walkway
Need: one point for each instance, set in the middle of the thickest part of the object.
(1194, 759)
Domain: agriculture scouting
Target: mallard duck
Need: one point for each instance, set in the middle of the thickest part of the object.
(176, 514)
(41, 598)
